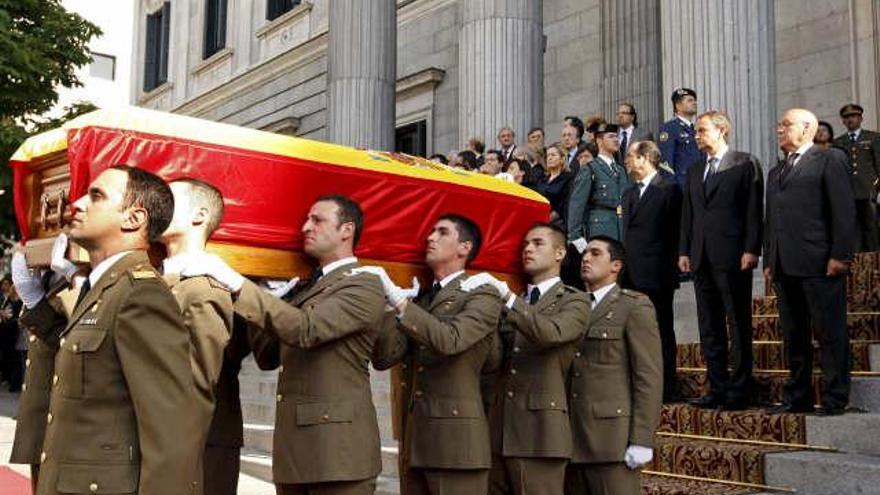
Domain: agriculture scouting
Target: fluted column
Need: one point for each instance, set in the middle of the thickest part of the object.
(362, 68)
(631, 59)
(501, 59)
(725, 51)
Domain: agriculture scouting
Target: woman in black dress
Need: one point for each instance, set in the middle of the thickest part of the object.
(555, 183)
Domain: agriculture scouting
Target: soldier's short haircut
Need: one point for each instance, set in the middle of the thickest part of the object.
(557, 234)
(648, 150)
(349, 211)
(150, 192)
(468, 231)
(615, 247)
(208, 196)
(719, 119)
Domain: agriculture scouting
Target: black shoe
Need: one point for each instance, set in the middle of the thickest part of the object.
(830, 411)
(708, 401)
(790, 409)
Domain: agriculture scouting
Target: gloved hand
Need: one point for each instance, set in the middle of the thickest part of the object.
(395, 295)
(280, 288)
(484, 278)
(580, 244)
(60, 264)
(212, 266)
(27, 284)
(637, 456)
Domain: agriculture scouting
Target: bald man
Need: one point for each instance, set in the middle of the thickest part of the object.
(810, 236)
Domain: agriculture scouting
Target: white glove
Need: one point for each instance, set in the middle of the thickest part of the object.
(60, 264)
(212, 266)
(484, 278)
(27, 284)
(637, 456)
(580, 244)
(280, 288)
(395, 295)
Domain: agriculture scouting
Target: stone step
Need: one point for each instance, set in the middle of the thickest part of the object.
(770, 355)
(863, 325)
(753, 424)
(874, 357)
(851, 433)
(664, 485)
(711, 459)
(818, 473)
(256, 464)
(864, 394)
(258, 438)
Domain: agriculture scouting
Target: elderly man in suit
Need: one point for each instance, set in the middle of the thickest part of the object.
(721, 233)
(531, 435)
(444, 339)
(810, 232)
(326, 434)
(616, 389)
(651, 212)
(863, 148)
(121, 414)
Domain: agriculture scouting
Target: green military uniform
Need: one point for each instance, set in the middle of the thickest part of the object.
(864, 160)
(121, 416)
(444, 344)
(531, 435)
(594, 205)
(326, 433)
(615, 395)
(206, 307)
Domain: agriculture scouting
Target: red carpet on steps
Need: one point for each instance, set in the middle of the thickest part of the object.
(12, 483)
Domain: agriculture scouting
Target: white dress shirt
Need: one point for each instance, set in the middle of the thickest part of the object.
(600, 293)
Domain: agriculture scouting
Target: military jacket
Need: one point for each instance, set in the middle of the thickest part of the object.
(864, 162)
(678, 148)
(594, 205)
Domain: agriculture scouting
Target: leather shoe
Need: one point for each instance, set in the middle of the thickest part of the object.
(790, 409)
(708, 401)
(830, 411)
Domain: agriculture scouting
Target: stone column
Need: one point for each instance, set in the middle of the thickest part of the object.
(631, 59)
(725, 50)
(362, 72)
(501, 65)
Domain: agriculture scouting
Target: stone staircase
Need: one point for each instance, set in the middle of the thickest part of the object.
(713, 452)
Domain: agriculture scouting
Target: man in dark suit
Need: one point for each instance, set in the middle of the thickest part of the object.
(863, 147)
(721, 227)
(629, 131)
(651, 212)
(810, 232)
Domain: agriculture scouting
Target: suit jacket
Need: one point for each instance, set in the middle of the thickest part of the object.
(444, 346)
(864, 161)
(637, 134)
(650, 234)
(810, 215)
(596, 193)
(616, 380)
(530, 414)
(723, 218)
(325, 427)
(121, 415)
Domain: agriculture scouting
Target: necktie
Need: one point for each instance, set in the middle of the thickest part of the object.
(534, 295)
(431, 293)
(82, 292)
(711, 168)
(852, 137)
(789, 164)
(592, 300)
(642, 187)
(317, 273)
(624, 141)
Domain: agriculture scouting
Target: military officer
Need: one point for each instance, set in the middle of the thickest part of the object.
(594, 206)
(616, 381)
(863, 148)
(678, 145)
(120, 416)
(444, 339)
(326, 434)
(531, 435)
(206, 307)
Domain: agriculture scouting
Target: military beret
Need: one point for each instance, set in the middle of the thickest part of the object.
(604, 128)
(680, 93)
(851, 109)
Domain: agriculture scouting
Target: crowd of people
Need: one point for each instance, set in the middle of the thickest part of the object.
(132, 377)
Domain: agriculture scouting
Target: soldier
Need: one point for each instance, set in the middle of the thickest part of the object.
(207, 312)
(444, 339)
(678, 146)
(594, 206)
(326, 434)
(616, 381)
(531, 435)
(120, 415)
(863, 148)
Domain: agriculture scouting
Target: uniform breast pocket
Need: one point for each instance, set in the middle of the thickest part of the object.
(77, 360)
(604, 345)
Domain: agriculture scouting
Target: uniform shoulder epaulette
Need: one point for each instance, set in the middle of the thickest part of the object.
(143, 272)
(633, 294)
(216, 285)
(571, 289)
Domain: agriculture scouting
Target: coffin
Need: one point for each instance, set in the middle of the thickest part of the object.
(268, 182)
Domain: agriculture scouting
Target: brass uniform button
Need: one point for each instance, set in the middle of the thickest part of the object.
(49, 418)
(93, 488)
(552, 404)
(75, 347)
(326, 417)
(419, 393)
(42, 457)
(279, 398)
(281, 369)
(54, 379)
(510, 393)
(27, 362)
(32, 338)
(512, 371)
(420, 369)
(516, 350)
(455, 412)
(63, 340)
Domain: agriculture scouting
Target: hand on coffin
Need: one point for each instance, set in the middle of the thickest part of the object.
(60, 264)
(580, 244)
(637, 456)
(280, 288)
(395, 295)
(481, 279)
(26, 283)
(212, 266)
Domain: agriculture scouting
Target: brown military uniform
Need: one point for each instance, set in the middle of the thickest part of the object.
(615, 395)
(326, 433)
(121, 413)
(206, 307)
(444, 344)
(531, 434)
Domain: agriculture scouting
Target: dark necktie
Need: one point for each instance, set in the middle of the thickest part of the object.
(789, 165)
(317, 273)
(852, 137)
(82, 292)
(710, 169)
(534, 295)
(429, 295)
(642, 187)
(623, 143)
(592, 300)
